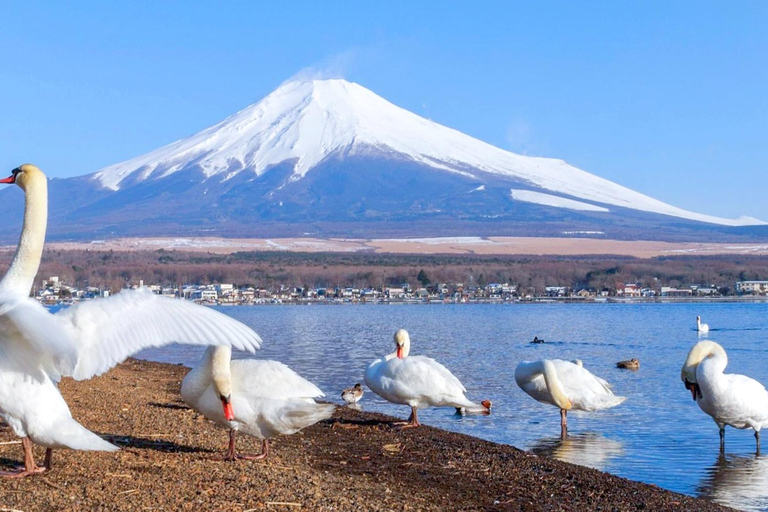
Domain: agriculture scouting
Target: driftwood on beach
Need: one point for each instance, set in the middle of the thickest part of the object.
(354, 461)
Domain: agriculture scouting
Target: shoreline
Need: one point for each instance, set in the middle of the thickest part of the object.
(354, 461)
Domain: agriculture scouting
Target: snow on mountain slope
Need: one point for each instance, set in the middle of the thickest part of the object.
(529, 196)
(308, 121)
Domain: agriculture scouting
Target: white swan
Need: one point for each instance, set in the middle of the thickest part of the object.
(259, 398)
(566, 385)
(731, 399)
(417, 381)
(37, 348)
(702, 328)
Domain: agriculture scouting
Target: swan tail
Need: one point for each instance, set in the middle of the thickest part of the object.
(71, 434)
(605, 402)
(305, 415)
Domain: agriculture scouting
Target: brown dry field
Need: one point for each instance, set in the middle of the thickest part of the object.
(355, 461)
(460, 245)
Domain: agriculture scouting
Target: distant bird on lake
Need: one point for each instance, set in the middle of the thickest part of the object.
(566, 385)
(702, 328)
(352, 395)
(730, 399)
(259, 398)
(630, 364)
(416, 381)
(37, 348)
(537, 340)
(484, 409)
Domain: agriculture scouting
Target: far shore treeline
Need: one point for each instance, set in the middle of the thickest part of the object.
(113, 270)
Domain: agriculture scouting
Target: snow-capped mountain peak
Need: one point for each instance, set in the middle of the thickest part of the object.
(306, 122)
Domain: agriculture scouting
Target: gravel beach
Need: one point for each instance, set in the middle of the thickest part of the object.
(355, 461)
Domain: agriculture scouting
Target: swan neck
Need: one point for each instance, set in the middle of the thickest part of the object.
(26, 262)
(554, 386)
(219, 359)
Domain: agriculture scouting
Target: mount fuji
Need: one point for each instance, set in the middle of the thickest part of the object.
(329, 158)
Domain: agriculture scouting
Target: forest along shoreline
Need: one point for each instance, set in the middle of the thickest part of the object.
(354, 461)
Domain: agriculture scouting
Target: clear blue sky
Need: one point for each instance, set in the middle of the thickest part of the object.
(668, 98)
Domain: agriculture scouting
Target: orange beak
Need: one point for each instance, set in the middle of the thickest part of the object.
(9, 179)
(229, 413)
(400, 352)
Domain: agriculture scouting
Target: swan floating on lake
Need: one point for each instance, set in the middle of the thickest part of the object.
(730, 399)
(702, 328)
(416, 381)
(352, 395)
(259, 398)
(566, 385)
(38, 348)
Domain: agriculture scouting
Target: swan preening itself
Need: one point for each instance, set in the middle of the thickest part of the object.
(566, 385)
(259, 398)
(702, 328)
(352, 395)
(416, 381)
(37, 348)
(730, 399)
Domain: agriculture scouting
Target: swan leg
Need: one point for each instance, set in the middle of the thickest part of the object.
(404, 423)
(722, 439)
(563, 423)
(48, 463)
(30, 468)
(232, 454)
(412, 422)
(757, 440)
(263, 455)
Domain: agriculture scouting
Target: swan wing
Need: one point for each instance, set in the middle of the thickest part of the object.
(746, 398)
(418, 377)
(32, 340)
(107, 331)
(586, 391)
(270, 379)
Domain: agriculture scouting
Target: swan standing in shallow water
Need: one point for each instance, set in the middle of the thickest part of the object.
(38, 348)
(259, 398)
(702, 328)
(566, 385)
(730, 399)
(417, 381)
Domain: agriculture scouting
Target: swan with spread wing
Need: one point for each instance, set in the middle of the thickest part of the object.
(37, 348)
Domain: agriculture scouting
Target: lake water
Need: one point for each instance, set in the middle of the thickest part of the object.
(658, 435)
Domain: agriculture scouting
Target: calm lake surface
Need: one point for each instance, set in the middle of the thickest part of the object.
(658, 435)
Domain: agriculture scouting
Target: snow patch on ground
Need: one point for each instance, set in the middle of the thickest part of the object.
(471, 240)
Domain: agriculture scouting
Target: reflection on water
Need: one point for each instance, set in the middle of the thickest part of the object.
(738, 481)
(662, 437)
(587, 449)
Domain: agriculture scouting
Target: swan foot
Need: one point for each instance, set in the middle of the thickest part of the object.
(231, 455)
(263, 455)
(22, 473)
(29, 468)
(412, 422)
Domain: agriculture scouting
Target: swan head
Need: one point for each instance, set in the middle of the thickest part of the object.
(23, 175)
(697, 354)
(403, 343)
